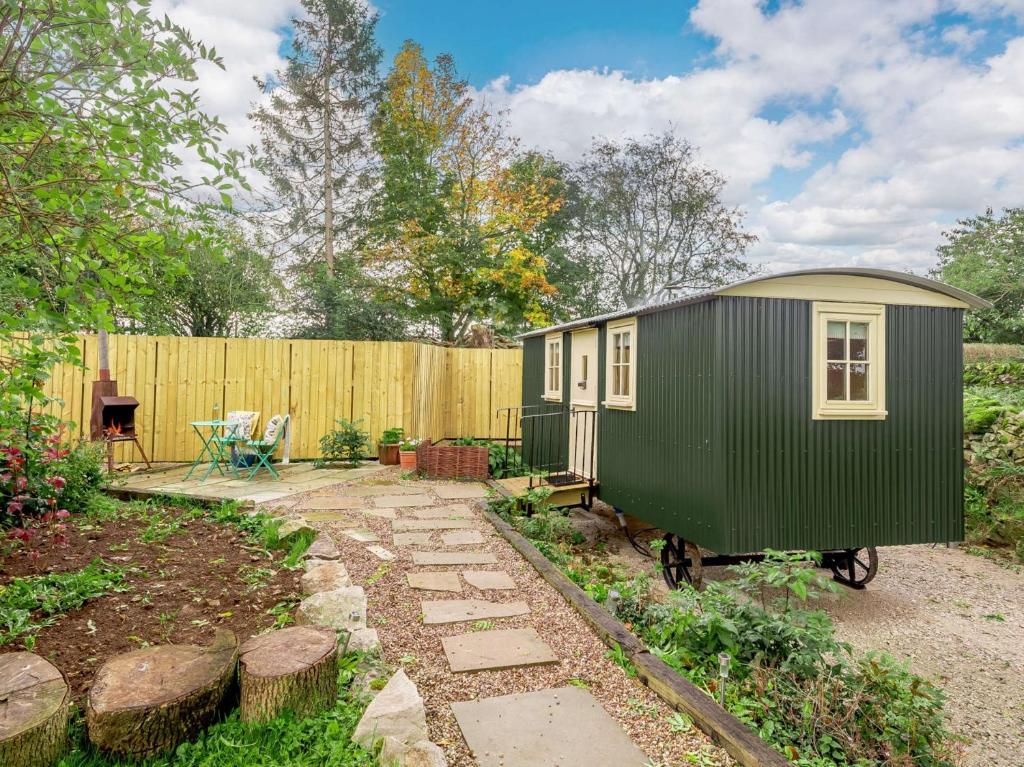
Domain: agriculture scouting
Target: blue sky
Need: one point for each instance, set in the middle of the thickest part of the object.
(850, 132)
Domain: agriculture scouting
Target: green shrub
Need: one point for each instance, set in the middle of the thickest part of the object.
(347, 444)
(392, 436)
(991, 373)
(84, 474)
(502, 461)
(980, 413)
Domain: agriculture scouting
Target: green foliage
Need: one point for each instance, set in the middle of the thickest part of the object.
(985, 255)
(31, 603)
(347, 444)
(502, 462)
(980, 413)
(392, 436)
(84, 473)
(343, 305)
(324, 740)
(408, 445)
(1008, 373)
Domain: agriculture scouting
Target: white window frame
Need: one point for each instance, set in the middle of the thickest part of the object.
(621, 402)
(873, 315)
(553, 393)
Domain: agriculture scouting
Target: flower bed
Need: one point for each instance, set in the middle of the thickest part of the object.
(446, 461)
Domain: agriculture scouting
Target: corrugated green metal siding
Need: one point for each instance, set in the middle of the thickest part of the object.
(661, 463)
(795, 483)
(546, 441)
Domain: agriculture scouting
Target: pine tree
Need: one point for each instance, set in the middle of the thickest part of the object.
(316, 147)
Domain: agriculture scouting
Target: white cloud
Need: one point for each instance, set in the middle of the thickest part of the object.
(927, 136)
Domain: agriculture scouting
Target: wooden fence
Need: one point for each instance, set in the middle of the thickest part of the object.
(429, 391)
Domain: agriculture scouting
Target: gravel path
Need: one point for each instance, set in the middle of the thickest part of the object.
(394, 609)
(958, 618)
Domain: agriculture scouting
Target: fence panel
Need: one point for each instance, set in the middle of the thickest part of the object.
(429, 391)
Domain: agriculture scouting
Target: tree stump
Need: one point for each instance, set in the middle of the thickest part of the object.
(148, 701)
(34, 709)
(295, 668)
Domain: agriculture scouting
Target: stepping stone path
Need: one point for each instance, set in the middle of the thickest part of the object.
(555, 728)
(453, 558)
(363, 536)
(413, 539)
(150, 700)
(488, 579)
(458, 610)
(558, 728)
(402, 500)
(453, 492)
(381, 553)
(432, 524)
(436, 581)
(340, 517)
(330, 503)
(462, 538)
(491, 650)
(35, 705)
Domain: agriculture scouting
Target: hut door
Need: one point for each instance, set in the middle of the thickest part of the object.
(583, 404)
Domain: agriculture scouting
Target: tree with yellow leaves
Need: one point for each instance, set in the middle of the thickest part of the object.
(452, 218)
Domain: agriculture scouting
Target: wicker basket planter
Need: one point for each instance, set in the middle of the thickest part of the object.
(443, 461)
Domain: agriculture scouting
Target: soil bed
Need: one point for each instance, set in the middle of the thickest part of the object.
(202, 576)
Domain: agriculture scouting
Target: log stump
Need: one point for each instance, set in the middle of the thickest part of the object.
(295, 668)
(150, 700)
(34, 708)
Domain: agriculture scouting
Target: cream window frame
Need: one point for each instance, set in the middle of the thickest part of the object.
(553, 393)
(620, 401)
(873, 315)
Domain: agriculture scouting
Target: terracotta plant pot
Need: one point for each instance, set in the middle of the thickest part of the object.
(388, 454)
(408, 459)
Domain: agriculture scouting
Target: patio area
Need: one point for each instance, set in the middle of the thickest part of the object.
(302, 477)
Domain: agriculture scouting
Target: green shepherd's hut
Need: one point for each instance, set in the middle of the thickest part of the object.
(818, 409)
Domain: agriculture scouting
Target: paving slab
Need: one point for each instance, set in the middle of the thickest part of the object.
(381, 553)
(342, 517)
(398, 501)
(387, 488)
(403, 525)
(462, 538)
(560, 727)
(460, 491)
(412, 539)
(330, 503)
(363, 536)
(458, 610)
(453, 558)
(491, 650)
(454, 511)
(488, 579)
(442, 580)
(380, 513)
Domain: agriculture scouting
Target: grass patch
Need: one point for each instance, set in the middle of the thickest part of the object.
(992, 352)
(31, 603)
(323, 740)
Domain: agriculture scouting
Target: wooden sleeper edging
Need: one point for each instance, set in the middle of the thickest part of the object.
(741, 743)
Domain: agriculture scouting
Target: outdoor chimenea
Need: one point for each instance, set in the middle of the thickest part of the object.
(113, 416)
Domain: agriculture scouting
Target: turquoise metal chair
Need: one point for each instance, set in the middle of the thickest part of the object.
(264, 450)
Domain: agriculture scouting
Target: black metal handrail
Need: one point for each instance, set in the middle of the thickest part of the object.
(543, 438)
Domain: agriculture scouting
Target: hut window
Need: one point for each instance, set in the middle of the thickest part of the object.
(620, 371)
(849, 361)
(553, 367)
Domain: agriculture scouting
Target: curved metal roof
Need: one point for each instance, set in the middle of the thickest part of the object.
(658, 305)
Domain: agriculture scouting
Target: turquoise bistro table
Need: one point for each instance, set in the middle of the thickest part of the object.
(216, 446)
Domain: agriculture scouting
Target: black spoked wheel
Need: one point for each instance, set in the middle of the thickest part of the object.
(855, 567)
(681, 563)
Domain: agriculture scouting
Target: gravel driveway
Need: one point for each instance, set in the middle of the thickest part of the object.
(957, 617)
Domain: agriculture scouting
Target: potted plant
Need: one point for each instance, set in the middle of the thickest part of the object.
(387, 448)
(407, 454)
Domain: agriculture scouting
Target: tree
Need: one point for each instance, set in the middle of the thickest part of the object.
(452, 219)
(985, 255)
(229, 293)
(342, 305)
(652, 216)
(92, 122)
(315, 137)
